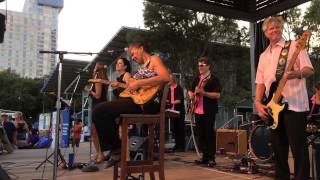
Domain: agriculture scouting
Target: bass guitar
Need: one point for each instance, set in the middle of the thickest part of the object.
(274, 105)
(139, 96)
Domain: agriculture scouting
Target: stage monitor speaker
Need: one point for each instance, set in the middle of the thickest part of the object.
(233, 141)
(2, 27)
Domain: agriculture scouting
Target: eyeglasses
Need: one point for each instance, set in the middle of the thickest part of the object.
(202, 65)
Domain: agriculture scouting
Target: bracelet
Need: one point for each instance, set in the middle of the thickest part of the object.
(301, 74)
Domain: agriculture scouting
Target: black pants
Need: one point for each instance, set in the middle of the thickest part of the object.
(316, 149)
(206, 135)
(104, 115)
(178, 131)
(291, 131)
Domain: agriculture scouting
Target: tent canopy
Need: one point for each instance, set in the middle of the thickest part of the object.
(247, 10)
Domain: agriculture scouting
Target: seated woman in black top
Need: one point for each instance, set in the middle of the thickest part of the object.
(123, 67)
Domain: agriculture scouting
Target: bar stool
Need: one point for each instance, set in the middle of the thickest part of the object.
(127, 167)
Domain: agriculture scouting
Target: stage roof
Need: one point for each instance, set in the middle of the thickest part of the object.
(113, 49)
(247, 10)
(70, 70)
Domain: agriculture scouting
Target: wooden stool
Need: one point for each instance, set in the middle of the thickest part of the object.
(128, 167)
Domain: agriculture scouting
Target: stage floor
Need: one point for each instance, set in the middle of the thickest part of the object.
(178, 166)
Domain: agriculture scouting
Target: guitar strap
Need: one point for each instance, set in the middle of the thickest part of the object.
(282, 61)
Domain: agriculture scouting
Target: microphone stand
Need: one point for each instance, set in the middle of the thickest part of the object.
(58, 104)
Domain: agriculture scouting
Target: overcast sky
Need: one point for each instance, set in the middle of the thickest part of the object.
(87, 26)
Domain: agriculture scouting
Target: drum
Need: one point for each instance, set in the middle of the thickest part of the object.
(313, 127)
(260, 143)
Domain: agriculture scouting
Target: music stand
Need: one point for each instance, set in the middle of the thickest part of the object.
(58, 105)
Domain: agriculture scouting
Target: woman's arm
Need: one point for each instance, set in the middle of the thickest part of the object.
(126, 77)
(161, 77)
(98, 91)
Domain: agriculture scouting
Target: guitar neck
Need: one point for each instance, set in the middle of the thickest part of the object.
(283, 81)
(122, 85)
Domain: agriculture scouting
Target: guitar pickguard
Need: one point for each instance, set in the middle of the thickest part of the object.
(274, 110)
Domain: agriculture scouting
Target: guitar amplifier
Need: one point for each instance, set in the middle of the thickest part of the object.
(233, 141)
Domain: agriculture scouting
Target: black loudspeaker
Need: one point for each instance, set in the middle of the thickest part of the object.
(3, 174)
(136, 143)
(2, 27)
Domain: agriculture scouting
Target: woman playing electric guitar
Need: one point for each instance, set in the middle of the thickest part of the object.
(152, 73)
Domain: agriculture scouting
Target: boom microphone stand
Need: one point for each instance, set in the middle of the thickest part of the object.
(58, 105)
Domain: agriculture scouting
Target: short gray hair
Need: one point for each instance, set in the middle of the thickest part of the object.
(276, 19)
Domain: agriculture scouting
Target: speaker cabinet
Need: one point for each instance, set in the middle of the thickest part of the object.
(233, 141)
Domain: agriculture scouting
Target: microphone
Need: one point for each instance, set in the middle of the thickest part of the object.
(66, 101)
(82, 71)
(113, 50)
(53, 52)
(44, 51)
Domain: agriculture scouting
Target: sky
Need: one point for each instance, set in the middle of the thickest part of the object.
(87, 26)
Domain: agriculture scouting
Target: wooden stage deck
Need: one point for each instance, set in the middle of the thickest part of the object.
(21, 164)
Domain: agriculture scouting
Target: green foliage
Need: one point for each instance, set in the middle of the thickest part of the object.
(296, 23)
(22, 94)
(186, 35)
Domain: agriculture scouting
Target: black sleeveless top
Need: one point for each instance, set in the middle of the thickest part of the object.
(103, 95)
(117, 91)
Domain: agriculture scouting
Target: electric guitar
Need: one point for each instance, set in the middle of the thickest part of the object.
(274, 106)
(139, 96)
(190, 115)
(195, 101)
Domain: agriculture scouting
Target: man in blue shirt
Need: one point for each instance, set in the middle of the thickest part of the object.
(44, 141)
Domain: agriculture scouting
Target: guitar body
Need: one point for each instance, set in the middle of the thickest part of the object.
(274, 110)
(142, 95)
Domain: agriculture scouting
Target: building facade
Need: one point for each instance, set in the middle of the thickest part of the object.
(28, 32)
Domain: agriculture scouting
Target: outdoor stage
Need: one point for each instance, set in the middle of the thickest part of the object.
(178, 166)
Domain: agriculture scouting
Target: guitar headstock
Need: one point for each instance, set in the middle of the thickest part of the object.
(301, 43)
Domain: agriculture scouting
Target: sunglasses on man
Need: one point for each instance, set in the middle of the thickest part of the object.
(202, 65)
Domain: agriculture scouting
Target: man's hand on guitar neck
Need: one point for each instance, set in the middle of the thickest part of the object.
(293, 75)
(199, 90)
(262, 110)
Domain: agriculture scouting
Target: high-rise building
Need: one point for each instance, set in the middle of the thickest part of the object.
(28, 32)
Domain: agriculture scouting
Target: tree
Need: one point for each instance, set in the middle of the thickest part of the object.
(312, 22)
(22, 94)
(184, 35)
(296, 23)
